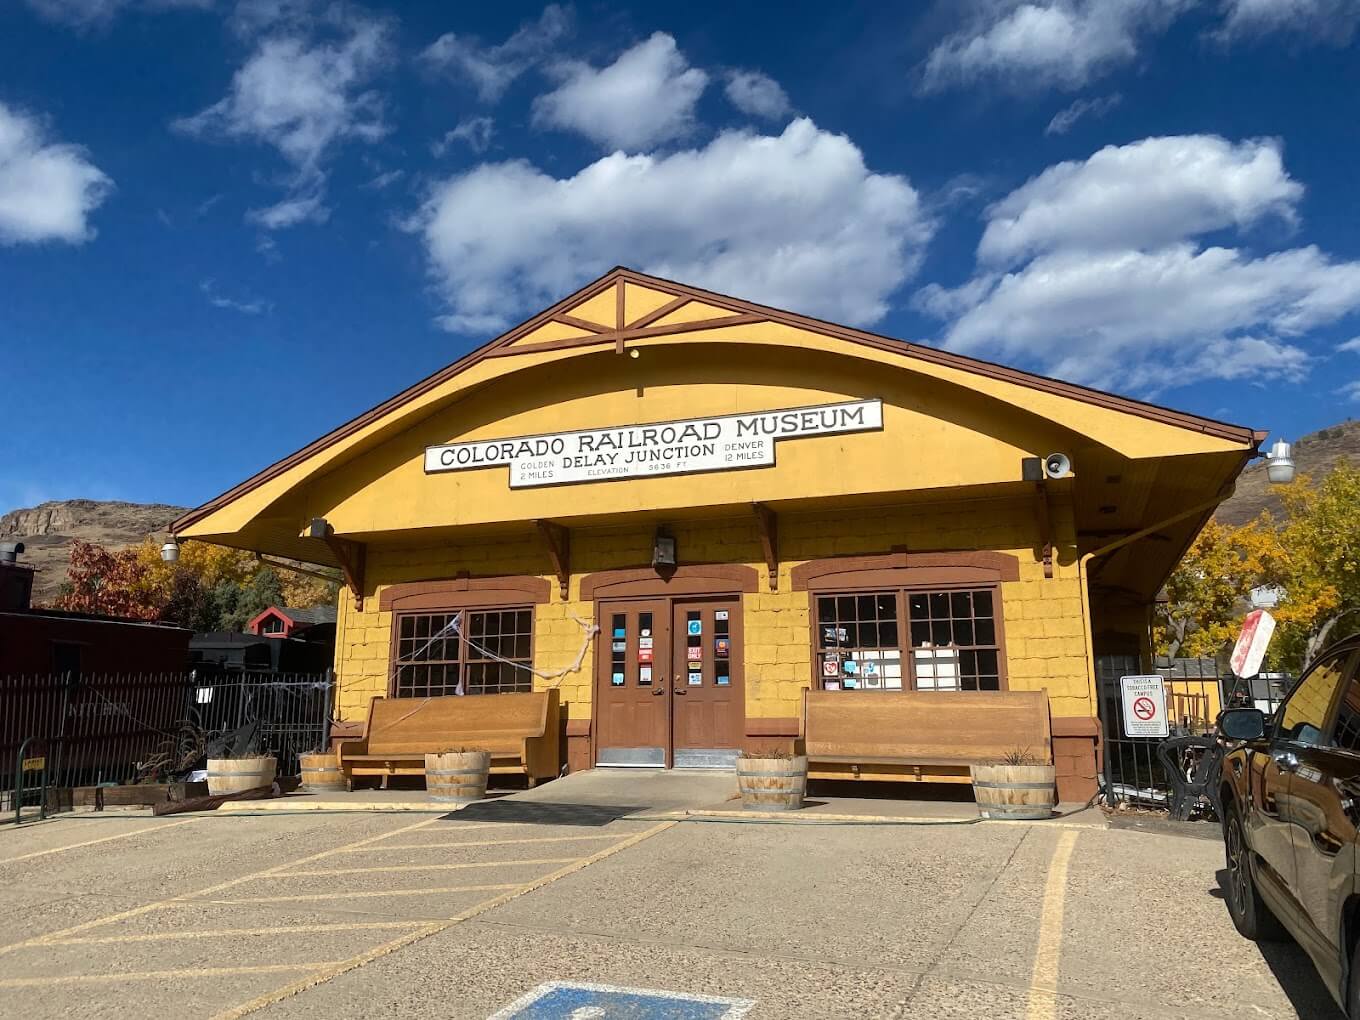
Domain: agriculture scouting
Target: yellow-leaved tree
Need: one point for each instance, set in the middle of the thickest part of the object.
(1312, 554)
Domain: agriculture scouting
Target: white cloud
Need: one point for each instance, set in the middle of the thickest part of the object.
(475, 132)
(1109, 282)
(795, 220)
(47, 189)
(1064, 120)
(1140, 195)
(645, 97)
(385, 179)
(757, 94)
(492, 69)
(1151, 319)
(1059, 43)
(290, 212)
(304, 97)
(246, 306)
(1352, 345)
(1332, 21)
(92, 13)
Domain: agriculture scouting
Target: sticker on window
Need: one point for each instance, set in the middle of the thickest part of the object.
(831, 685)
(723, 680)
(616, 680)
(831, 666)
(694, 654)
(722, 648)
(695, 679)
(644, 675)
(695, 627)
(620, 632)
(720, 614)
(644, 655)
(620, 646)
(645, 642)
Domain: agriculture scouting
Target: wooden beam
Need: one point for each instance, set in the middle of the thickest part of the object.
(1045, 525)
(659, 313)
(586, 324)
(350, 555)
(558, 540)
(618, 306)
(767, 523)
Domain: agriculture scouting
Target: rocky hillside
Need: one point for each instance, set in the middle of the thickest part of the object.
(1314, 454)
(47, 531)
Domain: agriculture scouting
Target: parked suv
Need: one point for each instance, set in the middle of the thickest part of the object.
(1291, 803)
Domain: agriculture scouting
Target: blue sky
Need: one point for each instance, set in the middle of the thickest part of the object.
(226, 227)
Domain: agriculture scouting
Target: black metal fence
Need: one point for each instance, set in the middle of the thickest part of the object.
(1133, 772)
(122, 728)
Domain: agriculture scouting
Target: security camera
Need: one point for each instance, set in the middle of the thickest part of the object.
(1057, 465)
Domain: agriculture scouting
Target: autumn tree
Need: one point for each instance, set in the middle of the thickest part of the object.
(1312, 554)
(108, 583)
(210, 587)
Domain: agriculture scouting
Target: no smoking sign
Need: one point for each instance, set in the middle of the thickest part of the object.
(1144, 700)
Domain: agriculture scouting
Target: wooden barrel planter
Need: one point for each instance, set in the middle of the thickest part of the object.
(321, 772)
(234, 775)
(1015, 791)
(457, 777)
(772, 784)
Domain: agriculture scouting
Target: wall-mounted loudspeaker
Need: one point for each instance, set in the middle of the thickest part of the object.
(1057, 465)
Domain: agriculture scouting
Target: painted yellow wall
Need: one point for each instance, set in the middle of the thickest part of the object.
(1042, 617)
(371, 480)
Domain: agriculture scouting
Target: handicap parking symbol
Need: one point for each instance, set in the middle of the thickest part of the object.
(570, 1000)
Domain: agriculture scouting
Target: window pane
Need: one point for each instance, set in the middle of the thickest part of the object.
(1348, 720)
(954, 635)
(1305, 713)
(857, 642)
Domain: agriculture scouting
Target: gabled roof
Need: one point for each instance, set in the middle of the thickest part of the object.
(575, 321)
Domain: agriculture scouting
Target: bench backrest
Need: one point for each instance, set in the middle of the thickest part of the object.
(411, 725)
(970, 725)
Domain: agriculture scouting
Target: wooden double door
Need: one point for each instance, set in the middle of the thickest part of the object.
(669, 689)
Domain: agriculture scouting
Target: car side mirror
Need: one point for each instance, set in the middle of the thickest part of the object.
(1242, 723)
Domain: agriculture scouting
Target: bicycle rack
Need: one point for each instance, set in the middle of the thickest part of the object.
(32, 757)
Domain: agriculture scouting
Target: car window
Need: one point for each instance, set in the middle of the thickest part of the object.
(1347, 734)
(1304, 717)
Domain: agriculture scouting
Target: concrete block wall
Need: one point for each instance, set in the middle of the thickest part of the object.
(1043, 624)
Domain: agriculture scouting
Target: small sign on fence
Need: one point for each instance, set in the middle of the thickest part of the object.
(33, 764)
(1144, 700)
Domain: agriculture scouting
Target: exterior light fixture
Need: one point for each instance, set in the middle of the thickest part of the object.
(663, 549)
(1280, 463)
(170, 551)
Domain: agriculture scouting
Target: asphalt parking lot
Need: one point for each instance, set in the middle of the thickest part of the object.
(364, 915)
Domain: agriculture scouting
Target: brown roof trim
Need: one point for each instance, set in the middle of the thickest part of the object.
(619, 275)
(466, 592)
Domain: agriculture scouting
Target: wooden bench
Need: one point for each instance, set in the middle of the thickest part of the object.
(920, 736)
(520, 731)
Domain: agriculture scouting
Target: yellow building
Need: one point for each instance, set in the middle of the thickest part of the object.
(843, 510)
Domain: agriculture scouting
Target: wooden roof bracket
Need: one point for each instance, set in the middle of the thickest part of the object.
(558, 539)
(350, 555)
(767, 523)
(1045, 525)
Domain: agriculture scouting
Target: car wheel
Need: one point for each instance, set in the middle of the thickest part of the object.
(1249, 913)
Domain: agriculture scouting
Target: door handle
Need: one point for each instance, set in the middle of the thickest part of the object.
(679, 693)
(658, 692)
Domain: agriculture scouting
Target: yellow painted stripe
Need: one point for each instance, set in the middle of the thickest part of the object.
(93, 842)
(147, 908)
(340, 894)
(481, 842)
(158, 975)
(211, 933)
(311, 981)
(393, 868)
(1043, 1001)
